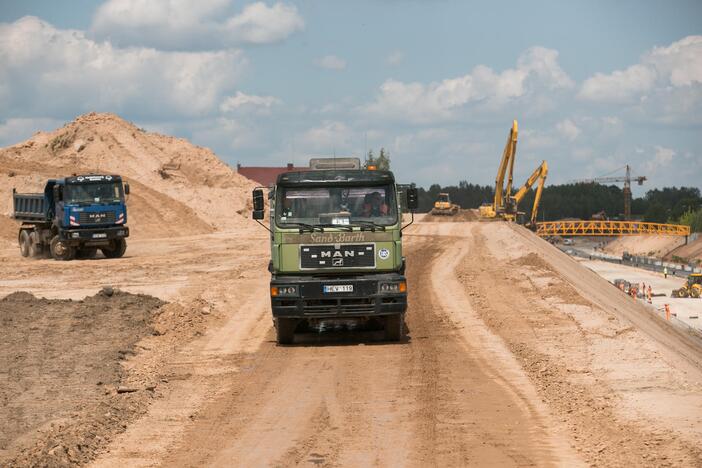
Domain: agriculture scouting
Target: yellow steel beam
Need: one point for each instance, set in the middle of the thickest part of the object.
(609, 228)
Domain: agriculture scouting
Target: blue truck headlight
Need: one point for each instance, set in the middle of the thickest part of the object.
(75, 235)
(392, 288)
(284, 291)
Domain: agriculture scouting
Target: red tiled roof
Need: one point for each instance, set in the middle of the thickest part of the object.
(266, 175)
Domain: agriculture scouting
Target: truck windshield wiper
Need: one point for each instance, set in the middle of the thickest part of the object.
(306, 227)
(368, 225)
(344, 227)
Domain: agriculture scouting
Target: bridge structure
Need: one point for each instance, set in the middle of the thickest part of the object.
(609, 228)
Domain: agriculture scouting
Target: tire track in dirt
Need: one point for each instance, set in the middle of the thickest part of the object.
(558, 335)
(430, 401)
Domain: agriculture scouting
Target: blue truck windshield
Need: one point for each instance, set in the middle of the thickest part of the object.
(337, 205)
(108, 192)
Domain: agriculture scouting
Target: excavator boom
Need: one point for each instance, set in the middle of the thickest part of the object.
(506, 162)
(539, 174)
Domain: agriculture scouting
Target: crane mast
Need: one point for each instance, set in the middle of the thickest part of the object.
(627, 186)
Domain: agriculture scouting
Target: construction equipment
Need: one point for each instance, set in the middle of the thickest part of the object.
(74, 217)
(693, 288)
(627, 186)
(336, 247)
(539, 174)
(504, 204)
(498, 207)
(444, 207)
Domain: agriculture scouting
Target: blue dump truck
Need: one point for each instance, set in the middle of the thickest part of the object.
(74, 217)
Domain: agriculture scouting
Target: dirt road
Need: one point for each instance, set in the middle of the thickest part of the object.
(506, 363)
(439, 398)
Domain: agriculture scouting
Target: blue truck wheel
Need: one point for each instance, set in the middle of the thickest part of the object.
(60, 250)
(24, 243)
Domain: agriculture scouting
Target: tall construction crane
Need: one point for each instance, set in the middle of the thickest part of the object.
(627, 186)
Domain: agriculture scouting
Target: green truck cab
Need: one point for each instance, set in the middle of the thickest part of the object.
(336, 247)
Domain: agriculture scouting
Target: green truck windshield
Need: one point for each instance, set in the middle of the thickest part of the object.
(337, 205)
(93, 193)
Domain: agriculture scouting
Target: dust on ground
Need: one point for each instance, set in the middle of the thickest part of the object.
(62, 361)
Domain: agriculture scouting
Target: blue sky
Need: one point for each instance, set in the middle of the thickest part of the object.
(594, 85)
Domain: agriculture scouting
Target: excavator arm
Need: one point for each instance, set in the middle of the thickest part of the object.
(539, 174)
(506, 162)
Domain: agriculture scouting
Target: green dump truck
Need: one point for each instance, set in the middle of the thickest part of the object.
(336, 247)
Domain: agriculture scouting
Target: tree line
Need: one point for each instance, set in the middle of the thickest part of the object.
(583, 200)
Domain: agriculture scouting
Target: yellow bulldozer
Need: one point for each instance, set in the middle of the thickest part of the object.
(444, 207)
(693, 287)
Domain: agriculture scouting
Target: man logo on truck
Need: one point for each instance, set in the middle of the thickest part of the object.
(326, 224)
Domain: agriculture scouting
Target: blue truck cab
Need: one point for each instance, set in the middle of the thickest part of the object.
(74, 217)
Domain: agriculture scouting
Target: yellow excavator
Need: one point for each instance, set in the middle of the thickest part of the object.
(539, 174)
(498, 206)
(443, 206)
(505, 205)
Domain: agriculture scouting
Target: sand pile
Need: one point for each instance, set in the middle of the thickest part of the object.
(177, 188)
(651, 246)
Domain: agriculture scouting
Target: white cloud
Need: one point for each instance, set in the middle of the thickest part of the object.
(537, 69)
(227, 134)
(661, 159)
(662, 71)
(331, 62)
(246, 101)
(57, 72)
(568, 129)
(619, 86)
(531, 140)
(329, 137)
(188, 25)
(681, 62)
(395, 58)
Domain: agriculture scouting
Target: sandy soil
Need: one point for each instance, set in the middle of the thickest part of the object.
(177, 188)
(600, 360)
(439, 398)
(651, 246)
(691, 251)
(461, 216)
(516, 354)
(60, 364)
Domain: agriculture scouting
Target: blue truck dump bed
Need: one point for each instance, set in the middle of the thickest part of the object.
(29, 206)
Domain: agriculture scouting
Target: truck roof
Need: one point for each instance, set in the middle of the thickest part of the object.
(88, 178)
(336, 177)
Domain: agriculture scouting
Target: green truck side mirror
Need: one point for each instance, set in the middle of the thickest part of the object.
(258, 205)
(412, 199)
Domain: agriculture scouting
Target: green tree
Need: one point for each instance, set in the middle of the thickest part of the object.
(693, 219)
